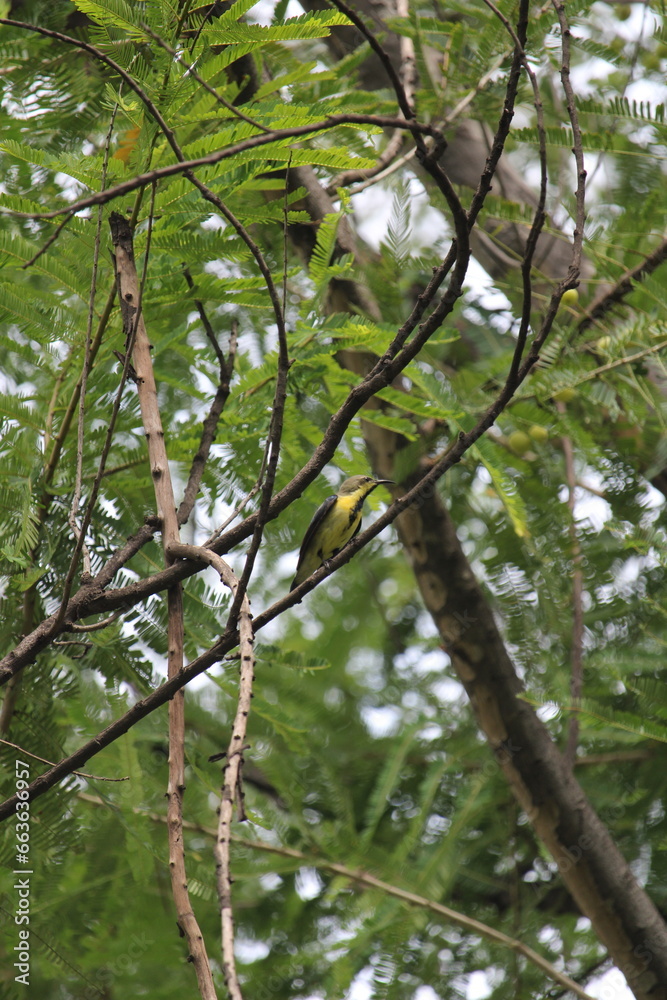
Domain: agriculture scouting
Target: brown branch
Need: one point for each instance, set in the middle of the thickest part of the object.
(129, 294)
(180, 167)
(96, 626)
(611, 297)
(367, 880)
(539, 218)
(191, 71)
(232, 790)
(80, 774)
(226, 369)
(386, 157)
(578, 148)
(123, 555)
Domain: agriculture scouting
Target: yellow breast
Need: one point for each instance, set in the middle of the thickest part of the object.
(339, 526)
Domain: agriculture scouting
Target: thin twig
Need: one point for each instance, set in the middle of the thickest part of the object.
(387, 164)
(48, 243)
(577, 147)
(602, 305)
(539, 218)
(211, 159)
(619, 362)
(459, 108)
(371, 174)
(375, 178)
(79, 774)
(226, 369)
(123, 555)
(364, 878)
(232, 789)
(272, 448)
(96, 626)
(504, 123)
(74, 509)
(191, 71)
(237, 510)
(413, 899)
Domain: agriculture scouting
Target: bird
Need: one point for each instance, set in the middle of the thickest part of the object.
(334, 524)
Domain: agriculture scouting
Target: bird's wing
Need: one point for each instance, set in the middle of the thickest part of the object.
(318, 517)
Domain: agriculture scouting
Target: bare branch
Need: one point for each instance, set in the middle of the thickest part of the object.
(226, 367)
(96, 626)
(612, 296)
(79, 534)
(129, 294)
(363, 878)
(232, 789)
(181, 167)
(371, 174)
(578, 148)
(79, 774)
(49, 243)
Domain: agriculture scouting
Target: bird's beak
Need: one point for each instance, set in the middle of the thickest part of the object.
(385, 482)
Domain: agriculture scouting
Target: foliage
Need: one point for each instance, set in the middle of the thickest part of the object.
(364, 750)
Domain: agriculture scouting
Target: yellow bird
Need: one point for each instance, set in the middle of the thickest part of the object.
(334, 524)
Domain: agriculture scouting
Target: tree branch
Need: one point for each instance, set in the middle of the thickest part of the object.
(129, 295)
(232, 790)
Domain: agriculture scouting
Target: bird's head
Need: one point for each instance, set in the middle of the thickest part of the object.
(362, 485)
